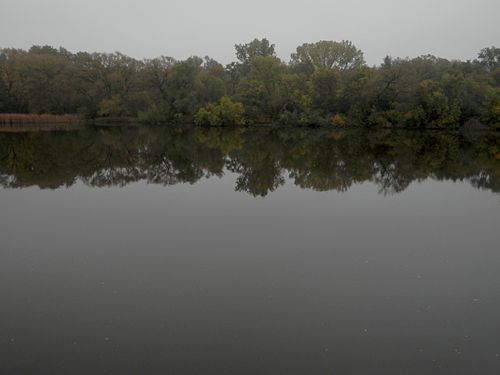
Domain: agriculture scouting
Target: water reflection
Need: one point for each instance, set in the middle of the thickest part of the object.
(199, 279)
(319, 159)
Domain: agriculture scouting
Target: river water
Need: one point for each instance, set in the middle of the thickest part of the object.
(255, 251)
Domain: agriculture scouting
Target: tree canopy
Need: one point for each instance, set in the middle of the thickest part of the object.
(327, 55)
(256, 48)
(324, 83)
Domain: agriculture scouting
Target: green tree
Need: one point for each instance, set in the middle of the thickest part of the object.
(260, 90)
(327, 54)
(224, 113)
(183, 86)
(109, 83)
(438, 109)
(324, 86)
(490, 58)
(245, 53)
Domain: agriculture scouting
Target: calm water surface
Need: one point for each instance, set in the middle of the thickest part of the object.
(181, 251)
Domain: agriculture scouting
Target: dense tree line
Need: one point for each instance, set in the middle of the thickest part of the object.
(261, 158)
(323, 83)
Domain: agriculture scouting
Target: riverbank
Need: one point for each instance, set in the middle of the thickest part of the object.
(18, 122)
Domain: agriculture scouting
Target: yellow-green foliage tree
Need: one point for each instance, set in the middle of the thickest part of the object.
(224, 113)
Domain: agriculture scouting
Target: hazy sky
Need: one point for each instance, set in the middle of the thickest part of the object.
(180, 28)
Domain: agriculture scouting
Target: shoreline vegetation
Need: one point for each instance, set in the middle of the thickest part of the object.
(24, 120)
(326, 83)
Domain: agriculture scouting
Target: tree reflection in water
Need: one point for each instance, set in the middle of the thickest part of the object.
(262, 158)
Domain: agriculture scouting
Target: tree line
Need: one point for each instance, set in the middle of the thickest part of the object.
(324, 83)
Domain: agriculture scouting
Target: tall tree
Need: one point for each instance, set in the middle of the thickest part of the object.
(490, 57)
(327, 54)
(246, 52)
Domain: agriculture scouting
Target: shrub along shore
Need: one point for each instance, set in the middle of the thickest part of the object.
(324, 83)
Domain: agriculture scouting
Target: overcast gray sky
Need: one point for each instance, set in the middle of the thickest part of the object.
(180, 28)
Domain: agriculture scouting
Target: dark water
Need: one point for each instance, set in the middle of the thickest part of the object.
(162, 251)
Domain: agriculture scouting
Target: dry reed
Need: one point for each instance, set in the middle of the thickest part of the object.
(35, 119)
